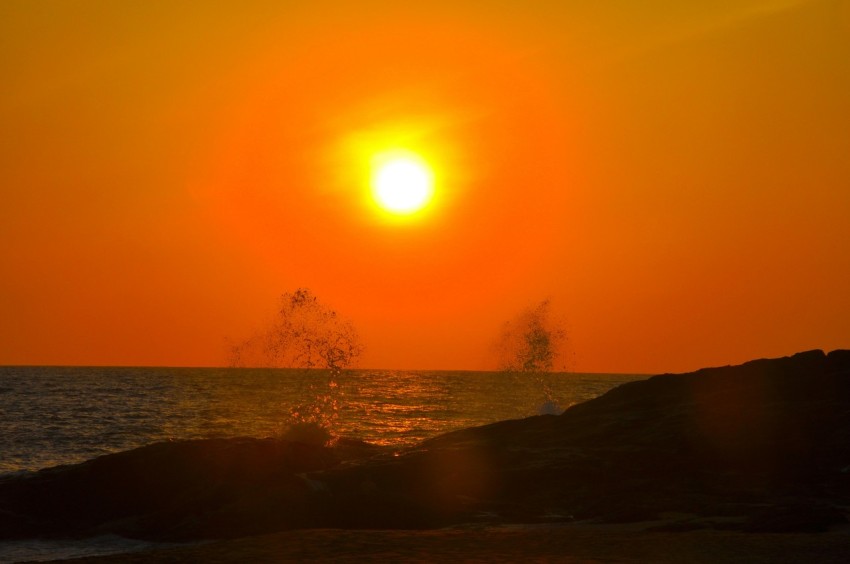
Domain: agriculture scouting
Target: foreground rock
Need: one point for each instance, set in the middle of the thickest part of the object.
(176, 490)
(764, 446)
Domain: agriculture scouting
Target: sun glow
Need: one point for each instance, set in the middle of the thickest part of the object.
(402, 182)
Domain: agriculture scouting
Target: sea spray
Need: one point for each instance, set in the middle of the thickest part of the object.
(309, 335)
(549, 407)
(314, 419)
(529, 347)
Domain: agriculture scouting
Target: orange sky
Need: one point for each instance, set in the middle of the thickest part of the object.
(674, 176)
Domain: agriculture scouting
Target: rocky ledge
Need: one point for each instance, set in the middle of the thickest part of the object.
(761, 447)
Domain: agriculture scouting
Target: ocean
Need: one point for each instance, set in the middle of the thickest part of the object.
(64, 415)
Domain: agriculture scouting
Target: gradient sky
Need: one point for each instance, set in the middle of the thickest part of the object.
(675, 176)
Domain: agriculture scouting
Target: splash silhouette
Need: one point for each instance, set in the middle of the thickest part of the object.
(310, 335)
(530, 345)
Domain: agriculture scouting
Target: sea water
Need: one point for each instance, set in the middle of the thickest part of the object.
(65, 415)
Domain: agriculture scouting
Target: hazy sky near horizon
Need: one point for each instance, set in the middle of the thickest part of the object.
(675, 176)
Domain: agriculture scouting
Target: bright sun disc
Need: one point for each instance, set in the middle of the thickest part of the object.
(401, 183)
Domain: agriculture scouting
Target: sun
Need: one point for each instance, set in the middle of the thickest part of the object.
(402, 182)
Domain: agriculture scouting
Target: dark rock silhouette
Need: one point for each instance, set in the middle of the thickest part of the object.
(762, 447)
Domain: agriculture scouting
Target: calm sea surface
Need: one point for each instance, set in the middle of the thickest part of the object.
(56, 415)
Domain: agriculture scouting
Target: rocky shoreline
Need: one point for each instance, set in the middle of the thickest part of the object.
(760, 447)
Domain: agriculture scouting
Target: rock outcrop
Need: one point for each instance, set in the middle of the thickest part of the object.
(764, 446)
